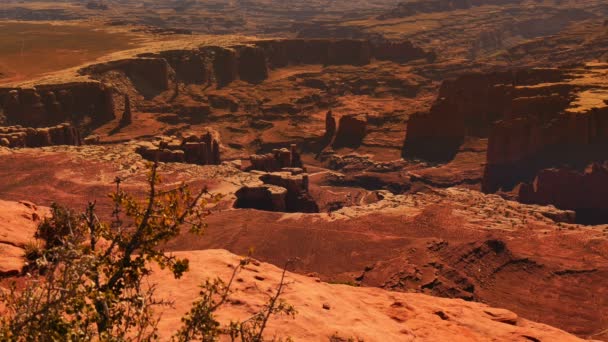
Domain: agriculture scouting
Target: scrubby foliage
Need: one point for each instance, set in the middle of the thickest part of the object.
(89, 279)
(200, 324)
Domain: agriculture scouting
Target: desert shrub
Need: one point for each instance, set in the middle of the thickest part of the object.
(89, 279)
(200, 324)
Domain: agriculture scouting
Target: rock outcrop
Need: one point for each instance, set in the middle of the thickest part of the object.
(285, 191)
(399, 51)
(330, 127)
(410, 8)
(344, 129)
(201, 149)
(55, 103)
(190, 66)
(262, 197)
(584, 192)
(17, 136)
(149, 75)
(278, 160)
(152, 73)
(534, 119)
(284, 52)
(18, 223)
(127, 116)
(469, 106)
(351, 131)
(334, 311)
(251, 64)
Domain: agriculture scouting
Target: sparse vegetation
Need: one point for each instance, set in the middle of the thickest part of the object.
(89, 278)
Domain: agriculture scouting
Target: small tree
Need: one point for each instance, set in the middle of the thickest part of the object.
(200, 323)
(89, 280)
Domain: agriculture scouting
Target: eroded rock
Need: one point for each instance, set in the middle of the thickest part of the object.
(202, 149)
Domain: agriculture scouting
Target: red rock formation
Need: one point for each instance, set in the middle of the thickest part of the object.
(18, 223)
(225, 69)
(298, 199)
(351, 131)
(348, 51)
(465, 106)
(410, 8)
(251, 64)
(277, 160)
(17, 136)
(151, 72)
(399, 51)
(284, 52)
(190, 66)
(263, 197)
(25, 106)
(202, 149)
(56, 103)
(333, 311)
(330, 127)
(518, 148)
(148, 74)
(126, 118)
(470, 104)
(584, 192)
(282, 191)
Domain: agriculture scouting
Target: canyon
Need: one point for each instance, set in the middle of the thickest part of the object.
(400, 151)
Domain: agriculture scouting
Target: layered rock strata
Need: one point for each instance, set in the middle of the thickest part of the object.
(584, 192)
(277, 160)
(18, 136)
(285, 191)
(55, 103)
(201, 149)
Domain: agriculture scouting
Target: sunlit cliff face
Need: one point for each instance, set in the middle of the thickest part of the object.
(449, 148)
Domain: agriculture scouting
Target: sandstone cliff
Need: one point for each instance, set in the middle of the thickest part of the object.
(17, 136)
(584, 192)
(55, 103)
(336, 313)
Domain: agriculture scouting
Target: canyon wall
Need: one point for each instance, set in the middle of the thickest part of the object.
(286, 52)
(17, 136)
(544, 128)
(584, 192)
(153, 73)
(518, 148)
(469, 105)
(51, 104)
(410, 8)
(149, 75)
(465, 106)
